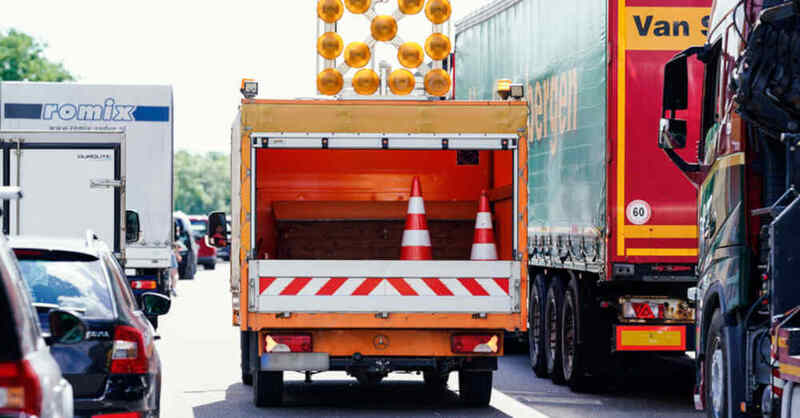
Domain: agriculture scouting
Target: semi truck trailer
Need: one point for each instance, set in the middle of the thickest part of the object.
(612, 238)
(747, 171)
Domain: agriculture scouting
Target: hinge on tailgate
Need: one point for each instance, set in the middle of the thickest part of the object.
(382, 315)
(479, 315)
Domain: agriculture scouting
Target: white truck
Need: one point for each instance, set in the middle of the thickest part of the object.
(145, 114)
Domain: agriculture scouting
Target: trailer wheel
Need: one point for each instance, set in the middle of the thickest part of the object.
(573, 354)
(716, 377)
(475, 387)
(244, 346)
(536, 326)
(267, 388)
(555, 304)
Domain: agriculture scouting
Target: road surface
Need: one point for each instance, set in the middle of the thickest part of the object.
(200, 359)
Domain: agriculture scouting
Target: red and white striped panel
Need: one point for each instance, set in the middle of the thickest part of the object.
(376, 286)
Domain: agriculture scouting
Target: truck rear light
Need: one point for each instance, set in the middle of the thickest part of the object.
(20, 390)
(128, 355)
(143, 284)
(474, 343)
(288, 343)
(673, 309)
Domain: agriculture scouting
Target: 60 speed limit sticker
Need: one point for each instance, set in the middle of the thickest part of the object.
(639, 212)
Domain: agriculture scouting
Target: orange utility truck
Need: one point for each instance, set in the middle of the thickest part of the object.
(321, 199)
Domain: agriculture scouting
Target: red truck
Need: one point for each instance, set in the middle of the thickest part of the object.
(612, 238)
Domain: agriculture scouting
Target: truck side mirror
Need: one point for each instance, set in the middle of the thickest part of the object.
(218, 229)
(672, 134)
(676, 84)
(65, 328)
(133, 228)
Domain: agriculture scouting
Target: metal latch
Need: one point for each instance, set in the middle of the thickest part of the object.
(105, 183)
(480, 315)
(382, 315)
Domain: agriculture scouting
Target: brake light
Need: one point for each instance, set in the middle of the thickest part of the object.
(285, 343)
(143, 284)
(475, 343)
(128, 355)
(19, 388)
(27, 253)
(119, 415)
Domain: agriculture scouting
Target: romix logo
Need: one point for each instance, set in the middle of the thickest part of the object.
(109, 111)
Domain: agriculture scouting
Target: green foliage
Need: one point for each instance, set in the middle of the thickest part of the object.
(202, 182)
(21, 59)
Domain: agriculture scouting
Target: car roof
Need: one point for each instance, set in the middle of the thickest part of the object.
(93, 248)
(198, 217)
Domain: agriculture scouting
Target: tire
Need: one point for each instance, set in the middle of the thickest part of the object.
(435, 382)
(211, 266)
(572, 353)
(553, 308)
(244, 346)
(267, 388)
(536, 336)
(715, 372)
(475, 387)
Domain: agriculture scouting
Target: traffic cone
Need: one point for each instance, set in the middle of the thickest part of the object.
(483, 247)
(416, 239)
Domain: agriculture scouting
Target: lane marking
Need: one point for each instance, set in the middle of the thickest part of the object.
(513, 407)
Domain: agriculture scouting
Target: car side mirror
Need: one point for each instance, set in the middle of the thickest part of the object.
(133, 228)
(65, 328)
(155, 304)
(218, 229)
(672, 134)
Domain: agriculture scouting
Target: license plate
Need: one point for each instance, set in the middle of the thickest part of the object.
(651, 338)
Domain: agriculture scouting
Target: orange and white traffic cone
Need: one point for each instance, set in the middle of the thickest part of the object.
(483, 247)
(416, 238)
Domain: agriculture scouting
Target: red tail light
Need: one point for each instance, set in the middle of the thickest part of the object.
(128, 355)
(475, 343)
(119, 415)
(285, 343)
(143, 284)
(20, 385)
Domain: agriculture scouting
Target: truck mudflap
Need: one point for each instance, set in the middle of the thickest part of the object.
(319, 286)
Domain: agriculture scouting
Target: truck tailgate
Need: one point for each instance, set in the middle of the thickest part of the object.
(358, 286)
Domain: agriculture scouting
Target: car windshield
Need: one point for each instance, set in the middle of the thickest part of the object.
(199, 226)
(79, 286)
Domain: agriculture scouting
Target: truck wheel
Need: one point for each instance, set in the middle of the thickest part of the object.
(552, 312)
(716, 384)
(244, 345)
(572, 353)
(435, 381)
(267, 388)
(536, 336)
(475, 387)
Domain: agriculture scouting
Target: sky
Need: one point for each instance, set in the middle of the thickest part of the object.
(202, 49)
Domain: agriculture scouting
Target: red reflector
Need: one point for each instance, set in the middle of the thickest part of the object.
(143, 284)
(119, 415)
(475, 343)
(778, 392)
(643, 310)
(672, 268)
(128, 355)
(285, 343)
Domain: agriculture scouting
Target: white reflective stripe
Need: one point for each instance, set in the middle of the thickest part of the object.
(484, 252)
(483, 220)
(313, 286)
(420, 287)
(277, 286)
(349, 286)
(385, 289)
(416, 205)
(456, 287)
(492, 288)
(416, 238)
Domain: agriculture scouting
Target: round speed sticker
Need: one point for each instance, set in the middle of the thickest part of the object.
(638, 212)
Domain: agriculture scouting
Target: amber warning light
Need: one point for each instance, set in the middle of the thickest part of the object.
(337, 59)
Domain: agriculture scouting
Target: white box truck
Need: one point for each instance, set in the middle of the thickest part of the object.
(145, 114)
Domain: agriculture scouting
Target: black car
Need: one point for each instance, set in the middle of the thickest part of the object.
(117, 368)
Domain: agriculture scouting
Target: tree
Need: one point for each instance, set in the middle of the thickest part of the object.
(202, 182)
(21, 59)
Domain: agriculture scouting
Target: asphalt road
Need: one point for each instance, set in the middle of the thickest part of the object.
(200, 359)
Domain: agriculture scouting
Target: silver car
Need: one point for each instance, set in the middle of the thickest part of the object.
(31, 384)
